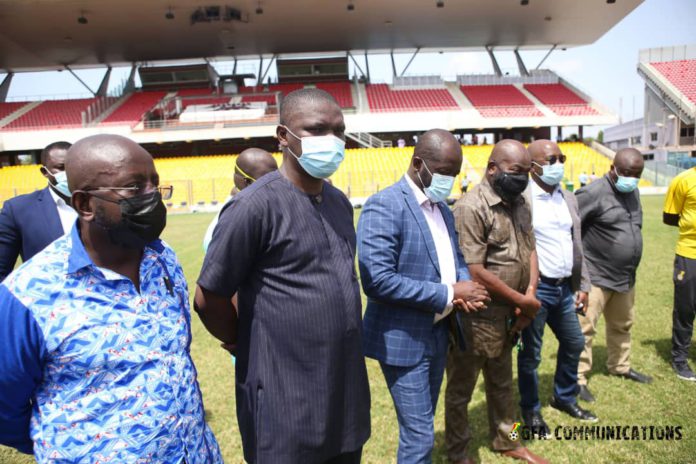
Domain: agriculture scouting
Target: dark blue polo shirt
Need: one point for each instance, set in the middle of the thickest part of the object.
(301, 382)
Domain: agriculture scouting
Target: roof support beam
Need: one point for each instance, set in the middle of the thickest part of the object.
(520, 64)
(258, 74)
(268, 68)
(546, 56)
(355, 62)
(130, 83)
(494, 62)
(234, 66)
(410, 61)
(80, 80)
(104, 86)
(5, 86)
(391, 54)
(367, 67)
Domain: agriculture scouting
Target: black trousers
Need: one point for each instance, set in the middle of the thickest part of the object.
(684, 307)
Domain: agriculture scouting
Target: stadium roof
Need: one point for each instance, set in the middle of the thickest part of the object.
(46, 34)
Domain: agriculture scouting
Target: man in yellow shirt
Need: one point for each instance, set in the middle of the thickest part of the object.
(680, 210)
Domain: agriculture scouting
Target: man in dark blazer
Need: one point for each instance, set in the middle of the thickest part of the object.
(30, 222)
(414, 275)
(564, 283)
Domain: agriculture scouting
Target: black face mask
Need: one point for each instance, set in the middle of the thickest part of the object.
(142, 220)
(510, 186)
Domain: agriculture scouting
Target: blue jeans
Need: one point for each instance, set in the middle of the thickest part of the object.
(557, 310)
(414, 390)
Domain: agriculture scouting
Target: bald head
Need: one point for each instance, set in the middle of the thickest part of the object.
(540, 150)
(98, 160)
(254, 163)
(436, 144)
(628, 162)
(302, 99)
(510, 152)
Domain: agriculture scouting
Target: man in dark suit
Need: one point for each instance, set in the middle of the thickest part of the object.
(30, 222)
(413, 275)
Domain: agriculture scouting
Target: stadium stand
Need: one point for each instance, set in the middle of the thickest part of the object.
(132, 110)
(560, 99)
(57, 114)
(497, 101)
(383, 99)
(8, 108)
(681, 74)
(208, 179)
(340, 91)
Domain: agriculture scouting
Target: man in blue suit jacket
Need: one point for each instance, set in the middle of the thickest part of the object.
(414, 276)
(30, 222)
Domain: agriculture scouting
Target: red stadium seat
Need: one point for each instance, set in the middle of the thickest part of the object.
(681, 74)
(383, 99)
(560, 99)
(53, 114)
(133, 109)
(500, 101)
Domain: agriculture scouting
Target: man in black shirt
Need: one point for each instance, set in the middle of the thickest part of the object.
(286, 244)
(612, 217)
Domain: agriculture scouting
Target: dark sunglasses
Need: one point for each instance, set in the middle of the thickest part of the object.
(556, 158)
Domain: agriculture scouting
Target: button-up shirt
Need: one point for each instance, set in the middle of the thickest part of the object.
(553, 231)
(443, 246)
(611, 234)
(93, 370)
(67, 214)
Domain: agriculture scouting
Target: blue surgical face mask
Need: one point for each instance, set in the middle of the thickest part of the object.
(321, 155)
(440, 186)
(61, 183)
(553, 173)
(625, 184)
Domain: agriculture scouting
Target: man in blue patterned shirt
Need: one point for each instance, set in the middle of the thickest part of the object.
(95, 365)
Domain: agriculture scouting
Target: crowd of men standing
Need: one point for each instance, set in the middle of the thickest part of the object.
(96, 327)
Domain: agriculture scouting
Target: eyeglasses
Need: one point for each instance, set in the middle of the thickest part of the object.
(164, 190)
(556, 158)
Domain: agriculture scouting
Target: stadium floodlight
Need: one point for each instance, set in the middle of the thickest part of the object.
(169, 14)
(524, 2)
(259, 9)
(440, 4)
(611, 2)
(350, 6)
(82, 19)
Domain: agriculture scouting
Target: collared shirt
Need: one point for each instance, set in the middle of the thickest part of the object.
(553, 231)
(496, 235)
(443, 246)
(611, 234)
(681, 200)
(67, 214)
(92, 370)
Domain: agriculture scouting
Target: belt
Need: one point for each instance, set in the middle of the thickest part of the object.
(554, 281)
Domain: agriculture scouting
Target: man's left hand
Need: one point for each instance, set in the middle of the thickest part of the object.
(581, 299)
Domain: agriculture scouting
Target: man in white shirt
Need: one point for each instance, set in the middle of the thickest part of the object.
(30, 222)
(562, 289)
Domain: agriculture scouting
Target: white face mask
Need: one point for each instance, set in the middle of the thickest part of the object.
(321, 154)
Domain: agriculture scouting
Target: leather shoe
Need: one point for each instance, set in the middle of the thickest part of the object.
(523, 454)
(536, 424)
(466, 460)
(635, 376)
(574, 411)
(585, 394)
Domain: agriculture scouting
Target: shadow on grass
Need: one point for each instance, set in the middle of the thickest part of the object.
(662, 346)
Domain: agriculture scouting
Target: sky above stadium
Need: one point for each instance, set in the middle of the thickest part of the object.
(606, 70)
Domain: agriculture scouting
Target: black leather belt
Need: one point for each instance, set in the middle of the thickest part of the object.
(553, 281)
